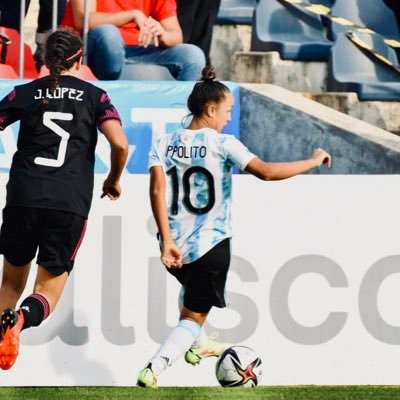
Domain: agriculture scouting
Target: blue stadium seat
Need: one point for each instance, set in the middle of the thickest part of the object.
(352, 69)
(296, 34)
(236, 12)
(327, 3)
(145, 72)
(373, 14)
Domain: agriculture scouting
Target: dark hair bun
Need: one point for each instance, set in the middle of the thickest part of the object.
(208, 74)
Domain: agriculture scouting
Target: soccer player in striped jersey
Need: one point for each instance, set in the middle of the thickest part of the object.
(190, 192)
(50, 187)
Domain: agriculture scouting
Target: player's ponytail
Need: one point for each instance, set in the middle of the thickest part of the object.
(63, 48)
(208, 90)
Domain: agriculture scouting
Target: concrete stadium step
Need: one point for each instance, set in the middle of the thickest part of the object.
(227, 40)
(383, 114)
(268, 67)
(310, 78)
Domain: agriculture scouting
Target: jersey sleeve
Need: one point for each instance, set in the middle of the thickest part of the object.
(154, 155)
(164, 9)
(10, 110)
(105, 110)
(236, 152)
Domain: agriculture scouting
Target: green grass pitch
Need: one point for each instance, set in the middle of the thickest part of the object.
(200, 393)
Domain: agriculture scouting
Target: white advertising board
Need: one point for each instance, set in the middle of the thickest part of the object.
(313, 288)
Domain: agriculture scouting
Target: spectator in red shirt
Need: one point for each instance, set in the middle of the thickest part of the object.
(137, 31)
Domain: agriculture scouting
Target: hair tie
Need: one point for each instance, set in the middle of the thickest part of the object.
(74, 55)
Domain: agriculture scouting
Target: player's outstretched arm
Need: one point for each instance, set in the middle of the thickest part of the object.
(281, 170)
(119, 152)
(171, 256)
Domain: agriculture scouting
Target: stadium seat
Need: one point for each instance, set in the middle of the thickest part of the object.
(352, 69)
(295, 33)
(326, 3)
(236, 12)
(373, 14)
(145, 72)
(12, 57)
(7, 72)
(84, 73)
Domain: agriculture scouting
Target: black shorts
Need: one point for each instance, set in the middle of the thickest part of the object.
(57, 234)
(204, 279)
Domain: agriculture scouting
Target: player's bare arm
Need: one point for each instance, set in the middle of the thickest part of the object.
(171, 256)
(119, 152)
(281, 170)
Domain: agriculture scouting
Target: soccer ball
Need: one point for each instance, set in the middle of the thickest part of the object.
(238, 366)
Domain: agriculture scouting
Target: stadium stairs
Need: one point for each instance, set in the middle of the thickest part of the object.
(233, 59)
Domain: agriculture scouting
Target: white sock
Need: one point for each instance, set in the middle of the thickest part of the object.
(175, 345)
(202, 338)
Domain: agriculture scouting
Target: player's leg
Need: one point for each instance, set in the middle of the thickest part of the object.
(58, 245)
(174, 346)
(202, 337)
(59, 238)
(12, 283)
(204, 282)
(176, 343)
(179, 339)
(209, 280)
(204, 346)
(42, 302)
(34, 309)
(18, 244)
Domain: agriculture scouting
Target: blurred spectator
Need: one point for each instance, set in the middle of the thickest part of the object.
(137, 31)
(197, 18)
(395, 6)
(10, 17)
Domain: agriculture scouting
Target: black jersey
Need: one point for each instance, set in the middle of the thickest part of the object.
(53, 166)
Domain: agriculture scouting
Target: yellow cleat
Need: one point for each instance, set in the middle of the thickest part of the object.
(211, 349)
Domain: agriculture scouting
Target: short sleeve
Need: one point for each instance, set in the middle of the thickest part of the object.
(236, 152)
(164, 9)
(10, 110)
(105, 110)
(154, 155)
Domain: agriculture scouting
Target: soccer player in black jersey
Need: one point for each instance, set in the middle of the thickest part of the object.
(50, 186)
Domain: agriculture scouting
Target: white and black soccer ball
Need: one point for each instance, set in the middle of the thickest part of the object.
(238, 366)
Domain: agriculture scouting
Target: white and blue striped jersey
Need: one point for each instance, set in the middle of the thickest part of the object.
(198, 169)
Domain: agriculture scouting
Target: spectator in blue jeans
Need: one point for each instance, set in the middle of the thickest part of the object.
(135, 31)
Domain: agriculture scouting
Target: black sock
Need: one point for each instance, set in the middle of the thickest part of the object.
(35, 309)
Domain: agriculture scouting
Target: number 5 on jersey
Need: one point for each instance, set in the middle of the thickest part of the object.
(48, 118)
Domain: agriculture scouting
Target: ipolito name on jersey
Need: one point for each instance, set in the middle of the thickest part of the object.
(187, 151)
(60, 93)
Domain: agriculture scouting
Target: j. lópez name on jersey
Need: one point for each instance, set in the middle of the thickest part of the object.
(187, 151)
(60, 93)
